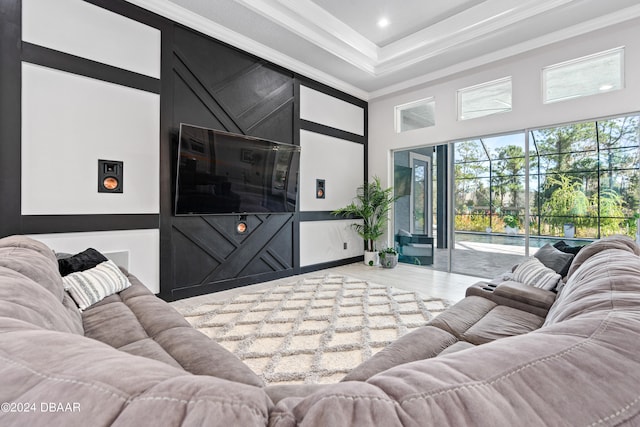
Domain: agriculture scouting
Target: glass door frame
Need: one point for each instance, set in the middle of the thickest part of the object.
(428, 207)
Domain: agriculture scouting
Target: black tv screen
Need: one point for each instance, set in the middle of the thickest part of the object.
(225, 173)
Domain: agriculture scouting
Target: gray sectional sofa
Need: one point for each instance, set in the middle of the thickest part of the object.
(507, 355)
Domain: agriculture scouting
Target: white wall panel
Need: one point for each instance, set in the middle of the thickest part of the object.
(88, 31)
(68, 123)
(323, 241)
(143, 247)
(339, 162)
(324, 109)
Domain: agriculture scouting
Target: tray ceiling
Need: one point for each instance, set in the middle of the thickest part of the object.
(339, 42)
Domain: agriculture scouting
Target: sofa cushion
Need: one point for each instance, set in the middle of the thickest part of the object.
(33, 264)
(554, 259)
(22, 298)
(533, 272)
(607, 279)
(458, 346)
(82, 261)
(622, 243)
(464, 314)
(502, 322)
(422, 343)
(111, 387)
(138, 322)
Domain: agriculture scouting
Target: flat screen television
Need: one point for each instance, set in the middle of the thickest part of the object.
(225, 173)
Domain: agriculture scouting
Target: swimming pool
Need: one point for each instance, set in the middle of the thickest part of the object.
(503, 239)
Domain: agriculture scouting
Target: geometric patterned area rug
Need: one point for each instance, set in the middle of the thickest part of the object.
(314, 330)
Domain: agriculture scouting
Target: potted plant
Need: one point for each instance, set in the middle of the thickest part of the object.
(372, 204)
(512, 224)
(388, 257)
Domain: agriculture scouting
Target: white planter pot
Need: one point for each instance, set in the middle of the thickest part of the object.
(370, 258)
(569, 230)
(511, 230)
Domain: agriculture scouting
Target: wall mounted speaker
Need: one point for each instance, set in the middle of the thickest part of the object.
(241, 225)
(320, 190)
(110, 176)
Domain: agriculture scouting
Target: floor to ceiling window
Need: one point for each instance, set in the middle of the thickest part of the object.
(512, 194)
(488, 204)
(585, 179)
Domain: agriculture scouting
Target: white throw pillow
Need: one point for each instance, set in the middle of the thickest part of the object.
(532, 272)
(95, 284)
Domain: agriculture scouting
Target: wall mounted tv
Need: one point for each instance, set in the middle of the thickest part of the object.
(225, 173)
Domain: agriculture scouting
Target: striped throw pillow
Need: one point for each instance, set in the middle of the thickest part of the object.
(95, 284)
(532, 272)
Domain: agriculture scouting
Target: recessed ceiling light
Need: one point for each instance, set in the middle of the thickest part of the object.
(383, 22)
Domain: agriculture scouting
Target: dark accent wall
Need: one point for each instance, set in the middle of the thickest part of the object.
(219, 87)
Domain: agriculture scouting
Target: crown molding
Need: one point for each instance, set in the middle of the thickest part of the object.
(557, 36)
(309, 21)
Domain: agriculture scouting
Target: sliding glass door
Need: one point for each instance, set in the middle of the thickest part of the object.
(489, 204)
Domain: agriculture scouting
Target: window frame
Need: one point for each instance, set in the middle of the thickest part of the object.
(584, 59)
(465, 90)
(398, 109)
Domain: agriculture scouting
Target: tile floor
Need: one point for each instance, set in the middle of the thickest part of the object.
(424, 280)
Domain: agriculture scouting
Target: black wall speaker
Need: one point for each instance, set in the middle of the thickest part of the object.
(110, 175)
(320, 190)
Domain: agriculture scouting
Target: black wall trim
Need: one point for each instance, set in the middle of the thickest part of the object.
(328, 90)
(322, 216)
(41, 224)
(10, 115)
(330, 264)
(85, 67)
(131, 11)
(328, 130)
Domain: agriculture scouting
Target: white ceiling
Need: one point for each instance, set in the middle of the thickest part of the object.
(339, 43)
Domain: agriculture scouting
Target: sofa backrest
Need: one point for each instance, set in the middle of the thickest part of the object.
(604, 276)
(31, 286)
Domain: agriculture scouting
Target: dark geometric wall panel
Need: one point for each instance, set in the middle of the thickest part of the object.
(209, 255)
(219, 87)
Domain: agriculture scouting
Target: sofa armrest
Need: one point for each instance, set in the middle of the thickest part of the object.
(515, 295)
(530, 295)
(525, 294)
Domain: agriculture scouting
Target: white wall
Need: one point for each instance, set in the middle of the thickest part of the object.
(88, 31)
(326, 110)
(323, 241)
(340, 163)
(136, 250)
(528, 109)
(70, 121)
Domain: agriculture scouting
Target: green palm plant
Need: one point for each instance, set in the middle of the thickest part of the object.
(372, 204)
